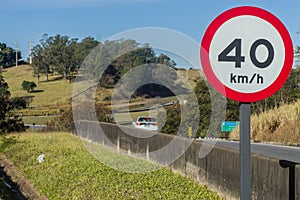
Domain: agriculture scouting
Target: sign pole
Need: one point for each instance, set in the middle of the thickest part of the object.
(245, 152)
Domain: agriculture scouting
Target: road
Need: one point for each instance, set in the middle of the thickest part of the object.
(270, 150)
(35, 126)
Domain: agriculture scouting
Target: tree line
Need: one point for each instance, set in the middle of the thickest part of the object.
(289, 93)
(110, 59)
(8, 55)
(64, 55)
(60, 54)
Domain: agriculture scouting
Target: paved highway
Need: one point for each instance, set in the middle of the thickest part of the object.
(270, 150)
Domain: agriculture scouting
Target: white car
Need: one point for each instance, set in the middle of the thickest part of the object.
(146, 122)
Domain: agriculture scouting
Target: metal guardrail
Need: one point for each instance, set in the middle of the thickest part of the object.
(35, 126)
(145, 109)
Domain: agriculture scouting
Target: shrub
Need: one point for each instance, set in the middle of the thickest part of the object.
(28, 86)
(277, 125)
(18, 103)
(65, 120)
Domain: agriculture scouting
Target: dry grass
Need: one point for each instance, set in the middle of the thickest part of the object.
(280, 125)
(189, 76)
(51, 93)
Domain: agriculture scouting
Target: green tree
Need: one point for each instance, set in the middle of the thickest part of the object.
(18, 103)
(38, 63)
(172, 120)
(8, 55)
(60, 54)
(8, 121)
(204, 101)
(288, 93)
(42, 59)
(116, 58)
(83, 48)
(61, 49)
(113, 59)
(65, 120)
(28, 86)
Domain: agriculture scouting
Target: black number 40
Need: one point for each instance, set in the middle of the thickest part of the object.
(238, 58)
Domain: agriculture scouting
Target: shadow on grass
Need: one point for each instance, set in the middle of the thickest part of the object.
(52, 79)
(9, 190)
(36, 91)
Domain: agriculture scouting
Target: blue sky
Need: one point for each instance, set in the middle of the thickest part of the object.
(23, 21)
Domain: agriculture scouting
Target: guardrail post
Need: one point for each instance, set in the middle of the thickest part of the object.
(118, 144)
(147, 151)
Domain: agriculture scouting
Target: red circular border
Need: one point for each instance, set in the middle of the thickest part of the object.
(206, 42)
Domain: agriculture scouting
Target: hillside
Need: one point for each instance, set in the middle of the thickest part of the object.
(57, 92)
(51, 94)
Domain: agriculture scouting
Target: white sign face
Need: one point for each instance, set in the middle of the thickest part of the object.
(248, 52)
(245, 76)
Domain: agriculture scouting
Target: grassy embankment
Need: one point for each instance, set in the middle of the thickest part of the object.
(71, 172)
(278, 125)
(52, 96)
(49, 97)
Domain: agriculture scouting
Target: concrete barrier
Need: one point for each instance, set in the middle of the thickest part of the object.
(220, 169)
(297, 178)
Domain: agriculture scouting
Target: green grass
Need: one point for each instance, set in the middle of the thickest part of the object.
(71, 172)
(52, 93)
(37, 119)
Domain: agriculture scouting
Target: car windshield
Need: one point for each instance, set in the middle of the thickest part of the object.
(146, 119)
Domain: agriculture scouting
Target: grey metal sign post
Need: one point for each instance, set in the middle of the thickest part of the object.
(245, 152)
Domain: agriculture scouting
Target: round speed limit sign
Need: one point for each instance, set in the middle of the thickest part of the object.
(246, 54)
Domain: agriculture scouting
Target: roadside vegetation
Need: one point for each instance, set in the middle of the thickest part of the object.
(57, 99)
(279, 125)
(69, 171)
(57, 61)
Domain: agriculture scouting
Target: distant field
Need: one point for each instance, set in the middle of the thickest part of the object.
(41, 120)
(71, 172)
(50, 94)
(55, 94)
